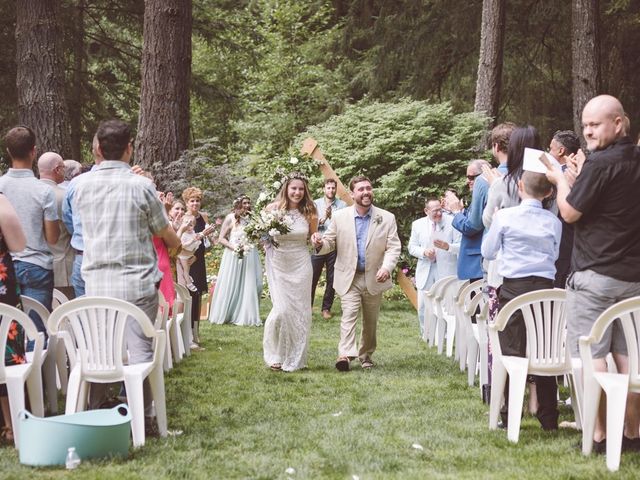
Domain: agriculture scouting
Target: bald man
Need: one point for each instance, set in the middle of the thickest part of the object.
(604, 204)
(52, 172)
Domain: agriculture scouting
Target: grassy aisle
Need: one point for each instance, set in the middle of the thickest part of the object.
(240, 420)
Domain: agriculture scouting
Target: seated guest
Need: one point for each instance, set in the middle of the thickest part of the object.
(435, 243)
(528, 239)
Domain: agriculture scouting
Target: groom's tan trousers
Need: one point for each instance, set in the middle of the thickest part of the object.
(358, 298)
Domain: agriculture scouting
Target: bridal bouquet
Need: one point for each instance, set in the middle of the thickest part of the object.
(264, 226)
(243, 247)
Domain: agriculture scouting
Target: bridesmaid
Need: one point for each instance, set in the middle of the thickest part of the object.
(237, 293)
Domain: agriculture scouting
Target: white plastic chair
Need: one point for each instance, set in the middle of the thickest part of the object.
(16, 376)
(615, 385)
(98, 325)
(48, 354)
(182, 307)
(467, 305)
(431, 314)
(175, 334)
(163, 322)
(460, 350)
(446, 313)
(61, 354)
(545, 321)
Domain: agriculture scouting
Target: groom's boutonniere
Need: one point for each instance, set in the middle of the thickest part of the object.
(378, 219)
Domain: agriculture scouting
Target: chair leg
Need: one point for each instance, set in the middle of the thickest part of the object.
(34, 389)
(517, 368)
(440, 335)
(174, 333)
(61, 363)
(73, 391)
(451, 335)
(49, 373)
(591, 401)
(576, 388)
(472, 360)
(15, 390)
(156, 382)
(498, 381)
(616, 388)
(135, 399)
(83, 396)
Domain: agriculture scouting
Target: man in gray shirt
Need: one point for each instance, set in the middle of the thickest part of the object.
(35, 204)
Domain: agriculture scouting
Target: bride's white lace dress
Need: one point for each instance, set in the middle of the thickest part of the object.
(286, 330)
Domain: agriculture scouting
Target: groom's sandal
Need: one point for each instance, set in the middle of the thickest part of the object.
(367, 363)
(342, 364)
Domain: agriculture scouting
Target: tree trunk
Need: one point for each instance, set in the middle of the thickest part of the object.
(40, 74)
(585, 50)
(490, 64)
(76, 100)
(163, 126)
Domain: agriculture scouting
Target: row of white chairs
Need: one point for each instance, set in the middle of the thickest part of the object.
(450, 306)
(88, 335)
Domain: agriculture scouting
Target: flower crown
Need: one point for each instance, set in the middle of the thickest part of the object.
(294, 176)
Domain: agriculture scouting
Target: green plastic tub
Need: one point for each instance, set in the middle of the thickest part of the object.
(94, 434)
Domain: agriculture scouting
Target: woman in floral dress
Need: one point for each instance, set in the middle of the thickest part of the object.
(12, 239)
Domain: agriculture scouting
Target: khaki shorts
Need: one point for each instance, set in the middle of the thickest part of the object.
(588, 295)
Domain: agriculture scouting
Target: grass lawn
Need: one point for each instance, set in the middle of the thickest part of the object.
(241, 420)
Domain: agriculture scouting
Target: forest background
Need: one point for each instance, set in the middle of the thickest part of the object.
(388, 88)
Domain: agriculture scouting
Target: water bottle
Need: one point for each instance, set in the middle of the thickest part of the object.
(73, 460)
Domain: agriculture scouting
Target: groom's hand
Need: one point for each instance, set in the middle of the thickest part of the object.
(382, 275)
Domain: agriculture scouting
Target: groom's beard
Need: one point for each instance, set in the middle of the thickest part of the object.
(365, 201)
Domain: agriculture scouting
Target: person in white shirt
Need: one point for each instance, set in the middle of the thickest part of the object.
(435, 243)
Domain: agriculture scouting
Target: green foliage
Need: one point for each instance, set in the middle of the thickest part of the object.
(410, 149)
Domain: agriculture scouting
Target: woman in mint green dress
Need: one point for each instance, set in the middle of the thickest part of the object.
(236, 297)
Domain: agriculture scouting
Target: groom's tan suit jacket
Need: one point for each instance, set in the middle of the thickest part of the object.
(382, 248)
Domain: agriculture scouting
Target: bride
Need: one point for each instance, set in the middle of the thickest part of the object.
(289, 273)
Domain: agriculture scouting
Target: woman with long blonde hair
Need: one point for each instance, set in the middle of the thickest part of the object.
(289, 273)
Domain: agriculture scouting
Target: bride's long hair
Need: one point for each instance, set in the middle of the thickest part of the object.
(306, 205)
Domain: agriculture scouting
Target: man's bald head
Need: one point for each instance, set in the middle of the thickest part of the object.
(602, 122)
(51, 167)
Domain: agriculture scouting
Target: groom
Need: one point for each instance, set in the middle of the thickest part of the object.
(366, 239)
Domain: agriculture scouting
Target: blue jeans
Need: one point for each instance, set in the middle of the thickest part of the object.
(76, 276)
(35, 282)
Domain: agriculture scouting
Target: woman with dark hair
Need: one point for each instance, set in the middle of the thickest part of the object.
(236, 298)
(289, 272)
(192, 197)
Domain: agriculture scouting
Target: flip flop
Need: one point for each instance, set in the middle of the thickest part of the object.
(276, 367)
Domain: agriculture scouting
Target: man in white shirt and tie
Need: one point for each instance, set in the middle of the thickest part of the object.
(435, 243)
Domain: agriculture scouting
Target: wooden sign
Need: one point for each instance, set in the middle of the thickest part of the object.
(310, 147)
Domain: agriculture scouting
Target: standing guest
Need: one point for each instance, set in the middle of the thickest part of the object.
(469, 222)
(72, 169)
(236, 298)
(35, 204)
(528, 239)
(325, 206)
(564, 145)
(192, 197)
(366, 238)
(289, 272)
(119, 258)
(51, 168)
(73, 223)
(12, 239)
(604, 205)
(190, 241)
(435, 243)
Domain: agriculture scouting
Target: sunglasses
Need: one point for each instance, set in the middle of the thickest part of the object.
(473, 177)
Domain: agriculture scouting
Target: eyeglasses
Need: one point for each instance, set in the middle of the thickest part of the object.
(473, 177)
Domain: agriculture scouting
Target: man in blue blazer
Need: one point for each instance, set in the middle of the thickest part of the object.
(469, 222)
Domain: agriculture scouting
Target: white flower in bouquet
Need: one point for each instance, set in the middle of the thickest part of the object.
(273, 232)
(262, 197)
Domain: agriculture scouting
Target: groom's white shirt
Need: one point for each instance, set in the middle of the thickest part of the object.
(382, 248)
(422, 239)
